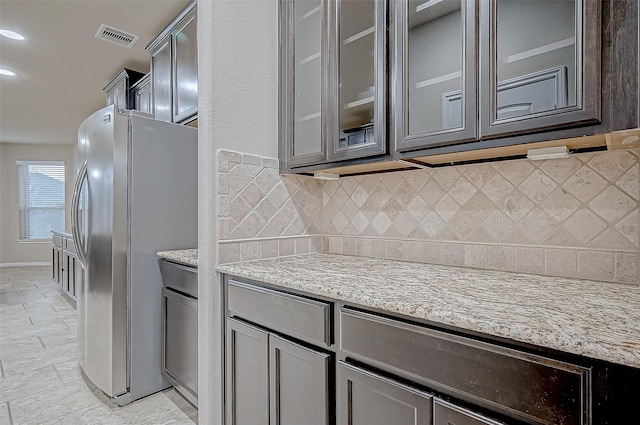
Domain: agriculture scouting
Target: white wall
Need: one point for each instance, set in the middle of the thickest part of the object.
(10, 250)
(237, 110)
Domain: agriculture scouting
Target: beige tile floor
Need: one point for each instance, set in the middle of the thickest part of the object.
(40, 380)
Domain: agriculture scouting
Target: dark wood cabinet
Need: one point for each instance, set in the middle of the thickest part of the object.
(408, 80)
(449, 414)
(174, 69)
(384, 369)
(333, 81)
(366, 398)
(434, 73)
(119, 90)
(273, 377)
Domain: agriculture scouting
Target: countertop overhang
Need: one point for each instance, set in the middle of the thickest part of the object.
(188, 257)
(590, 318)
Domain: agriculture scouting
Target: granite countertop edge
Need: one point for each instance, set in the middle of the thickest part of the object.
(538, 310)
(184, 256)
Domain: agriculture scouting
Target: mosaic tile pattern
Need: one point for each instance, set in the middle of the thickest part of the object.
(573, 217)
(262, 214)
(581, 213)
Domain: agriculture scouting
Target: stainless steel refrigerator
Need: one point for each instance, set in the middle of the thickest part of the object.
(135, 194)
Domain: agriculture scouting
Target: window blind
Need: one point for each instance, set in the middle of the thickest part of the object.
(41, 200)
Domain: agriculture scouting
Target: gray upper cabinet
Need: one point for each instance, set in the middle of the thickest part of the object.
(434, 72)
(540, 67)
(174, 69)
(536, 68)
(161, 80)
(333, 81)
(119, 91)
(142, 95)
(185, 68)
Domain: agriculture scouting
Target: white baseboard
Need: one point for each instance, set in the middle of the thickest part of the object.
(46, 263)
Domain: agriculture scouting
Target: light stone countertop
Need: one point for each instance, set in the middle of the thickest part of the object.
(595, 319)
(184, 256)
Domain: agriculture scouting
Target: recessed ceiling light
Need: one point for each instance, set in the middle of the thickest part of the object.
(6, 72)
(11, 34)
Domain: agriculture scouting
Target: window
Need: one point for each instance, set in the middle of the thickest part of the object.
(40, 198)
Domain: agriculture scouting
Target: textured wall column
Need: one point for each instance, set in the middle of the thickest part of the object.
(210, 377)
(237, 110)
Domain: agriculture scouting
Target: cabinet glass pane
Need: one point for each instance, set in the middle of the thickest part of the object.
(435, 57)
(356, 71)
(536, 56)
(307, 77)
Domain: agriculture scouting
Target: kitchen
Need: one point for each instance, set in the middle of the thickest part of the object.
(230, 43)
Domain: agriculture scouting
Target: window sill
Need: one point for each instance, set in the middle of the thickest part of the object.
(35, 241)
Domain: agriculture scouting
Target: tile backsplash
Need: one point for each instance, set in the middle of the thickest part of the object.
(573, 217)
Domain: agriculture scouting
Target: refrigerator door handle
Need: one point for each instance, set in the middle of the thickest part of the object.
(75, 215)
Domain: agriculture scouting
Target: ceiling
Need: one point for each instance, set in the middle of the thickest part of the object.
(61, 68)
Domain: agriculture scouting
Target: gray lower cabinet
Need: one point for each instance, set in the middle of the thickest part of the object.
(271, 380)
(370, 399)
(180, 342)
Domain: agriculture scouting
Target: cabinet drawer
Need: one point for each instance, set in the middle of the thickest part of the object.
(525, 386)
(293, 315)
(180, 278)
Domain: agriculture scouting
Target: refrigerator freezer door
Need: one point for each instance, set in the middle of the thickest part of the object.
(104, 299)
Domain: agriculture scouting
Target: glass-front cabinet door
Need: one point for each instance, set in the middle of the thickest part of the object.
(358, 89)
(303, 63)
(541, 66)
(434, 72)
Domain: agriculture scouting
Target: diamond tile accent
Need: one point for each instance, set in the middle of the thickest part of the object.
(359, 196)
(462, 190)
(560, 204)
(538, 224)
(630, 182)
(630, 227)
(432, 223)
(585, 184)
(537, 186)
(446, 176)
(560, 169)
(516, 205)
(447, 207)
(584, 225)
(497, 224)
(359, 222)
(612, 164)
(431, 192)
(380, 223)
(612, 204)
(515, 171)
(497, 188)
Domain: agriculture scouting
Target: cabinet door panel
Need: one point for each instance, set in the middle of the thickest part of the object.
(541, 67)
(299, 381)
(185, 69)
(303, 59)
(369, 399)
(359, 88)
(247, 375)
(161, 81)
(448, 414)
(434, 73)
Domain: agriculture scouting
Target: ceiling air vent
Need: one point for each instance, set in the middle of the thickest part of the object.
(116, 36)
